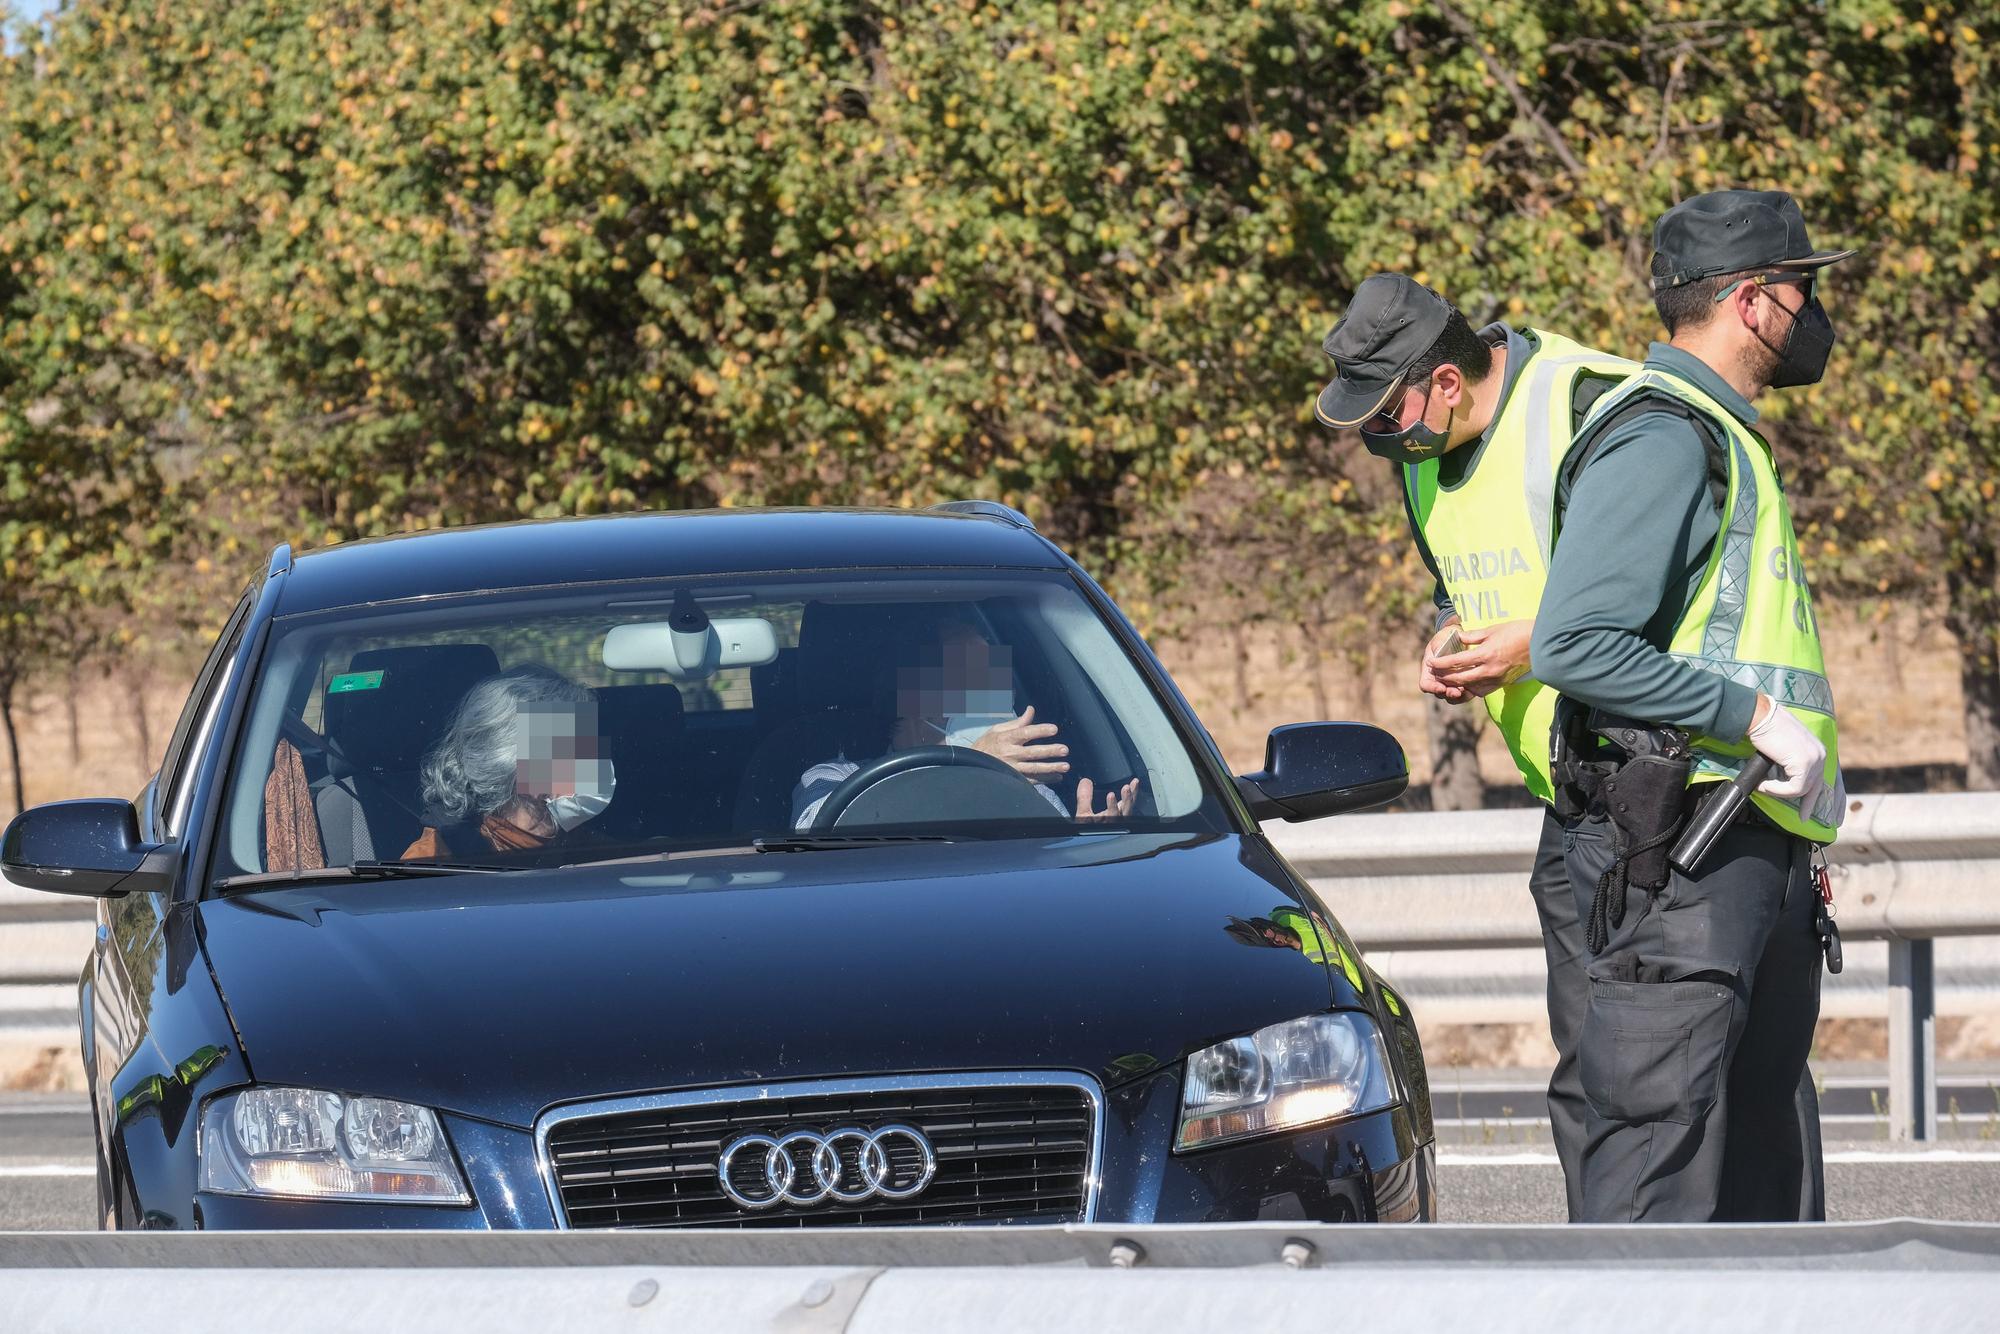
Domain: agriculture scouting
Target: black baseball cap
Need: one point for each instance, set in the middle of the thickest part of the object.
(1733, 231)
(1392, 321)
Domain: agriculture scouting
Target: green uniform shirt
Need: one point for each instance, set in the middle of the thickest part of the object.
(1634, 544)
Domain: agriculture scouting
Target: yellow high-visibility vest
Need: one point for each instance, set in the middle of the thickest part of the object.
(1490, 535)
(1751, 619)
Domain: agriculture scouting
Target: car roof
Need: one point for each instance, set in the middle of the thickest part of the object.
(539, 553)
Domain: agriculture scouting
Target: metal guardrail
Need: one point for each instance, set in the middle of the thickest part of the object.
(1907, 869)
(43, 937)
(1901, 1274)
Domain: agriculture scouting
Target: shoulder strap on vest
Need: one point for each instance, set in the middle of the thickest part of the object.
(1642, 402)
(1590, 386)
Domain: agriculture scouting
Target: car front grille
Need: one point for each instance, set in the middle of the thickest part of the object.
(1013, 1148)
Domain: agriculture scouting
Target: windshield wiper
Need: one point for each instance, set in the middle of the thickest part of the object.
(824, 842)
(362, 870)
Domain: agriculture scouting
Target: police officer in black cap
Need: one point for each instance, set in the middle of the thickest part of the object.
(1678, 625)
(1476, 423)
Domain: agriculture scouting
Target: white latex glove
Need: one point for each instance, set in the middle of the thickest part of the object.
(1797, 753)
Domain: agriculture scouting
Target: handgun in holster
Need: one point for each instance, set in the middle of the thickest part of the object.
(1638, 780)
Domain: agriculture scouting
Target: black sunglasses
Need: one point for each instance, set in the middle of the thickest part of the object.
(1387, 420)
(1808, 281)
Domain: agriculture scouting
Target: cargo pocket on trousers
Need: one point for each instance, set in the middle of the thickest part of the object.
(1653, 1051)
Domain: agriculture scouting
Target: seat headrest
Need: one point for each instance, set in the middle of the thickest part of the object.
(390, 726)
(640, 721)
(774, 685)
(848, 652)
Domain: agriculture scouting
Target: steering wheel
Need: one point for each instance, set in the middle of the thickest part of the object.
(954, 779)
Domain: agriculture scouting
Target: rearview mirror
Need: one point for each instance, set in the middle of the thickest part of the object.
(691, 654)
(1316, 769)
(84, 847)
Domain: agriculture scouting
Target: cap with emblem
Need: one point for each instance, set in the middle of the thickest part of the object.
(1733, 231)
(1392, 321)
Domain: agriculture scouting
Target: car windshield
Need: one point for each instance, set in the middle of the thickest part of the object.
(581, 724)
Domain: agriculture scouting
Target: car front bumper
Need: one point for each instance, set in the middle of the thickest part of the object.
(1370, 1168)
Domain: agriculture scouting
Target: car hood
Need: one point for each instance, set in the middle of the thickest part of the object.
(499, 995)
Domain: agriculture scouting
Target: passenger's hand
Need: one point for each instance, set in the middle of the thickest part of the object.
(1427, 680)
(529, 814)
(1023, 744)
(1117, 802)
(1494, 656)
(1797, 753)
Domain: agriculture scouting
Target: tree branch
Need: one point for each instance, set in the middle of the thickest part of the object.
(1461, 25)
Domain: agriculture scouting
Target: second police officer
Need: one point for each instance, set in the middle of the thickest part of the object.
(1678, 625)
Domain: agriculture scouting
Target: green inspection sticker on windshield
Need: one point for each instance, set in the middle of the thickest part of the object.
(347, 681)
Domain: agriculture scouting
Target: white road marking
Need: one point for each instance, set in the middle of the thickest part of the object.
(1444, 1089)
(46, 1109)
(1858, 1119)
(47, 1170)
(1918, 1157)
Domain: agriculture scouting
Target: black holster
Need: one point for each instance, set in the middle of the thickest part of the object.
(1639, 783)
(1646, 802)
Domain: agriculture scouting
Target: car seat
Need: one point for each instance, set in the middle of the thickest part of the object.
(369, 802)
(644, 726)
(846, 685)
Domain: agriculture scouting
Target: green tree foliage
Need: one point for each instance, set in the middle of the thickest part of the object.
(80, 498)
(325, 270)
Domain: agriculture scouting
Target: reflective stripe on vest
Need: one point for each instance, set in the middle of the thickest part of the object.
(1751, 619)
(1490, 535)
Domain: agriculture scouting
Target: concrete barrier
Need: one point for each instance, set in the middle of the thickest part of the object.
(1266, 1277)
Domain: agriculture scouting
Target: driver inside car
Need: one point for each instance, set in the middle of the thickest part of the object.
(520, 767)
(962, 694)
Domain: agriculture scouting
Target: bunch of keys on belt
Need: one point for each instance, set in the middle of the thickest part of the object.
(1829, 930)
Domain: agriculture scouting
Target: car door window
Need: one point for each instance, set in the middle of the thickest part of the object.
(185, 745)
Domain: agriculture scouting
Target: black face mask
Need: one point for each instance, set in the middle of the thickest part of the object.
(1404, 444)
(1802, 360)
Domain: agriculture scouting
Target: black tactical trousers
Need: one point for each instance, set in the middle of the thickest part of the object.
(1697, 1020)
(1569, 993)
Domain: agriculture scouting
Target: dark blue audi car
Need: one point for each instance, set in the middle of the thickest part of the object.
(785, 868)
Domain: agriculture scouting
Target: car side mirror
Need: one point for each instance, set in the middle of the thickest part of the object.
(1316, 769)
(84, 847)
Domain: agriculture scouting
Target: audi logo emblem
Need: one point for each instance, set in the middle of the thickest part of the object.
(848, 1165)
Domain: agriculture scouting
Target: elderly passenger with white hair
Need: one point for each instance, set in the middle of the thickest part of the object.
(518, 768)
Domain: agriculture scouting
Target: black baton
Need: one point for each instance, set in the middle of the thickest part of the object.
(1717, 811)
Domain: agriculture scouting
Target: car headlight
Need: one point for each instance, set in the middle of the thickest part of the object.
(1293, 1074)
(311, 1144)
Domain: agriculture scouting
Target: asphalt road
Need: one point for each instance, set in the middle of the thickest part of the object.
(1484, 1175)
(1864, 1180)
(1851, 1105)
(45, 1166)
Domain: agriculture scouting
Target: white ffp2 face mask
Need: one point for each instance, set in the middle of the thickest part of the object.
(982, 711)
(596, 780)
(965, 729)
